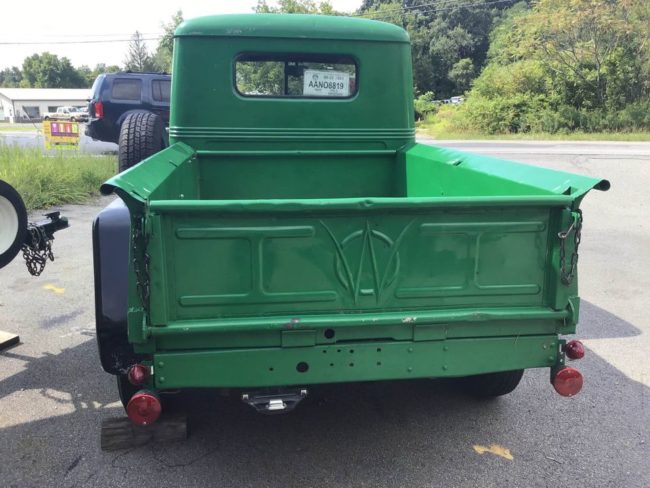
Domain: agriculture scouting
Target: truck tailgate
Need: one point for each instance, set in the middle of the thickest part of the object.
(207, 264)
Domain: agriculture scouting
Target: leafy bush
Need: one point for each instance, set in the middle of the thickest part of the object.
(424, 105)
(560, 67)
(534, 114)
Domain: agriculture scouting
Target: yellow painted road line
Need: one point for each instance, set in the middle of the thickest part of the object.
(54, 289)
(496, 449)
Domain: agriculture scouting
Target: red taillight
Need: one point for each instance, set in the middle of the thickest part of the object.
(138, 374)
(567, 381)
(99, 110)
(144, 408)
(574, 349)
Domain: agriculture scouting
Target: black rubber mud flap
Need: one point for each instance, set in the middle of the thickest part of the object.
(13, 223)
(141, 136)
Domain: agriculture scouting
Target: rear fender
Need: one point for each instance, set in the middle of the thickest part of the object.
(111, 230)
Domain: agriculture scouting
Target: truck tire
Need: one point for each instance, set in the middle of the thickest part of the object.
(492, 384)
(13, 223)
(141, 136)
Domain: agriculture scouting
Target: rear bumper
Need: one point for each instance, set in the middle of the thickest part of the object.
(101, 130)
(352, 362)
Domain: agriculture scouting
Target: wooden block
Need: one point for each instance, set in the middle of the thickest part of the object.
(120, 433)
(7, 339)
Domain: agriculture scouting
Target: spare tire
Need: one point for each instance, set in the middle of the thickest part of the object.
(141, 136)
(13, 223)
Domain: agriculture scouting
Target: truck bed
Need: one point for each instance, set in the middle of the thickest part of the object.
(420, 236)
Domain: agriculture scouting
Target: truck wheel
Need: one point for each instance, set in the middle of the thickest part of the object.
(141, 136)
(125, 389)
(492, 384)
(13, 223)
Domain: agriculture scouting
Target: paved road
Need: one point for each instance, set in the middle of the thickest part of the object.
(35, 139)
(53, 395)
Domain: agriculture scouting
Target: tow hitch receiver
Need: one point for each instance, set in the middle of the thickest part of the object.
(274, 401)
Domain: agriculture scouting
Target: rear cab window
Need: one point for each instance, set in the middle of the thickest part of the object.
(296, 76)
(160, 90)
(126, 89)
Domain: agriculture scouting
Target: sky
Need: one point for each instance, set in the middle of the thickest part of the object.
(54, 22)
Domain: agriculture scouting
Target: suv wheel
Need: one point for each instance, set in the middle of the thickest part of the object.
(141, 136)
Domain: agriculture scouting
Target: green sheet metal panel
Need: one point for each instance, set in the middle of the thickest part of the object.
(255, 265)
(270, 221)
(296, 26)
(378, 117)
(261, 367)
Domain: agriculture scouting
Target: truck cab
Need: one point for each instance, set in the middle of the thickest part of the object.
(294, 232)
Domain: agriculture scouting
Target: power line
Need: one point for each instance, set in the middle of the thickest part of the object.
(428, 8)
(114, 34)
(404, 8)
(435, 7)
(85, 41)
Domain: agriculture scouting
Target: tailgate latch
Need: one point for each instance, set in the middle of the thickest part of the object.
(568, 270)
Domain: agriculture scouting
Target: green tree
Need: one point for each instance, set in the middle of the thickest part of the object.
(577, 39)
(10, 77)
(87, 74)
(91, 74)
(461, 74)
(138, 57)
(564, 65)
(443, 32)
(164, 51)
(295, 7)
(47, 70)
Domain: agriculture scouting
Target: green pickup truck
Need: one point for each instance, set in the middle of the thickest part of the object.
(294, 233)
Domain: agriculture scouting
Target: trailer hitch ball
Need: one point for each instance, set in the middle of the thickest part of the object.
(138, 374)
(144, 408)
(574, 349)
(567, 381)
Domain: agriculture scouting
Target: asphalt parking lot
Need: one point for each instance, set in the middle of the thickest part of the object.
(34, 139)
(54, 395)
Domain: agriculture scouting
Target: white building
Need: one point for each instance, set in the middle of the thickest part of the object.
(25, 104)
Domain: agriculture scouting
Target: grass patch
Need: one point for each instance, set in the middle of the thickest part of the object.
(535, 136)
(44, 181)
(7, 127)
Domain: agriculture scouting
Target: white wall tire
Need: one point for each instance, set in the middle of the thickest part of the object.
(13, 223)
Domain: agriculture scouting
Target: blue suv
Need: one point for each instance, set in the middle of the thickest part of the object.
(116, 95)
(123, 103)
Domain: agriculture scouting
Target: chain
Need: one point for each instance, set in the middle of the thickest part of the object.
(38, 250)
(576, 227)
(141, 272)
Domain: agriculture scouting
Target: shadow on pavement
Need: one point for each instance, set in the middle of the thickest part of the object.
(597, 323)
(410, 433)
